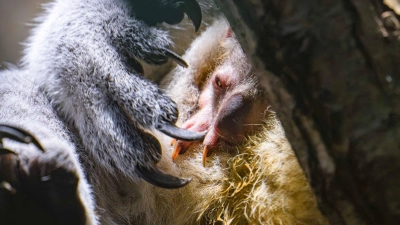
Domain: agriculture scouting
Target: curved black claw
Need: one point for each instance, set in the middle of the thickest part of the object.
(156, 177)
(179, 133)
(19, 135)
(172, 55)
(193, 10)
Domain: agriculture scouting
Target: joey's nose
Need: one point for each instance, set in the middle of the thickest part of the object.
(231, 117)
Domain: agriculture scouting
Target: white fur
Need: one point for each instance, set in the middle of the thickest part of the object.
(260, 182)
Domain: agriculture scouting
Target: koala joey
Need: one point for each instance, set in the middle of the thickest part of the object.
(231, 103)
(253, 177)
(80, 91)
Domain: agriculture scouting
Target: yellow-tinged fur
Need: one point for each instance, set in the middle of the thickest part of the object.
(260, 182)
(265, 184)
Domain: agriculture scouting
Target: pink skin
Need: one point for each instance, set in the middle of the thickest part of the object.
(230, 106)
(226, 113)
(200, 122)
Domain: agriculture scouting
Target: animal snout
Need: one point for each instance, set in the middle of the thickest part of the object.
(231, 117)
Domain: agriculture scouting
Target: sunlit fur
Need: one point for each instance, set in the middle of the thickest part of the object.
(259, 182)
(81, 90)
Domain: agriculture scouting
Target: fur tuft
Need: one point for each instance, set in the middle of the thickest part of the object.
(259, 182)
(265, 185)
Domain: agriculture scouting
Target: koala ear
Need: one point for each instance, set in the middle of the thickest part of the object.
(229, 33)
(193, 10)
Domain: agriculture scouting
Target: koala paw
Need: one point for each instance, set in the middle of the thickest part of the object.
(44, 183)
(170, 11)
(149, 43)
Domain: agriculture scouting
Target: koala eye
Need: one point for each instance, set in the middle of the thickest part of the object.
(218, 82)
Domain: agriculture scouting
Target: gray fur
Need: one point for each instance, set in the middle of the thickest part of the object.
(83, 69)
(24, 105)
(79, 93)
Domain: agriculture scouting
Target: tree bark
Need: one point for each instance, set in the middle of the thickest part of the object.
(331, 69)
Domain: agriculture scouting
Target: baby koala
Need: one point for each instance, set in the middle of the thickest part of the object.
(231, 104)
(254, 176)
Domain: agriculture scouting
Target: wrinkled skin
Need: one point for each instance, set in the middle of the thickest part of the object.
(231, 104)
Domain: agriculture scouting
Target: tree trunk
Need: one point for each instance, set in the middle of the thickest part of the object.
(331, 69)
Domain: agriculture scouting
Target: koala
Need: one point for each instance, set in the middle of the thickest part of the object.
(83, 127)
(252, 176)
(92, 77)
(231, 104)
(81, 93)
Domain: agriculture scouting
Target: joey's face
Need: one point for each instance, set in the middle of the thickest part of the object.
(235, 103)
(231, 103)
(231, 108)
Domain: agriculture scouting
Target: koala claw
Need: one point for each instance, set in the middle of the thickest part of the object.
(19, 135)
(4, 151)
(149, 171)
(37, 183)
(169, 11)
(193, 10)
(179, 133)
(156, 177)
(176, 58)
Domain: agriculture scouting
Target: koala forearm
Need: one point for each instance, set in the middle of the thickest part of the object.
(23, 105)
(84, 59)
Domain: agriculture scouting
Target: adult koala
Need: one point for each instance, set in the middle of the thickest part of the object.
(80, 93)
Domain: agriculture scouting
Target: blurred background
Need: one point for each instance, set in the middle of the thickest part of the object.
(15, 15)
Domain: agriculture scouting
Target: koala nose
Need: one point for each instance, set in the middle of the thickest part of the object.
(231, 117)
